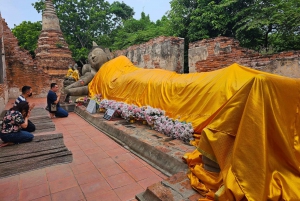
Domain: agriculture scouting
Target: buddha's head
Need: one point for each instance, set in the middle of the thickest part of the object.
(97, 57)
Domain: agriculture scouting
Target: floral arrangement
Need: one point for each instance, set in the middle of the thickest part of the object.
(155, 118)
(104, 103)
(97, 98)
(174, 128)
(152, 114)
(81, 100)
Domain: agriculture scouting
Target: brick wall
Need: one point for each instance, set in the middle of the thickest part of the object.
(215, 53)
(162, 52)
(3, 80)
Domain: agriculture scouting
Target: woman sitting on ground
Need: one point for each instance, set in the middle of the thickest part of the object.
(15, 119)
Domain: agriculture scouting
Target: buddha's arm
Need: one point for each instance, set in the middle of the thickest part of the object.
(86, 80)
(78, 91)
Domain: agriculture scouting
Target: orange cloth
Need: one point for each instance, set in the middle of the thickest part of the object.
(255, 140)
(248, 120)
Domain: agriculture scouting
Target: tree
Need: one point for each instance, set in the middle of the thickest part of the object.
(215, 18)
(121, 11)
(139, 31)
(255, 24)
(180, 16)
(27, 34)
(278, 21)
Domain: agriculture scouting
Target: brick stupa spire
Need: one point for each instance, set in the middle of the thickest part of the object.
(50, 19)
(52, 53)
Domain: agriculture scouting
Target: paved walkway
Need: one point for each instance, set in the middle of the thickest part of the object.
(101, 169)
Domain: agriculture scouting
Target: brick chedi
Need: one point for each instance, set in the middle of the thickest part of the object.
(52, 53)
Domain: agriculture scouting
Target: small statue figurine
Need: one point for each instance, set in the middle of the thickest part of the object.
(75, 73)
(70, 71)
(72, 75)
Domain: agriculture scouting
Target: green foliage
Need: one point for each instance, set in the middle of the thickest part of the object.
(278, 22)
(138, 31)
(121, 12)
(180, 16)
(59, 45)
(255, 24)
(27, 34)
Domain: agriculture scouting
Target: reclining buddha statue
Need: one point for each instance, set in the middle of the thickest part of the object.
(246, 124)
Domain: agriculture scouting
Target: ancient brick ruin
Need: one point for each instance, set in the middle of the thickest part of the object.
(215, 53)
(52, 53)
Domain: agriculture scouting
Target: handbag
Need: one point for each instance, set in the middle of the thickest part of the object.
(53, 107)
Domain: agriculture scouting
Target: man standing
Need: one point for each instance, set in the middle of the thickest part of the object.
(53, 102)
(26, 93)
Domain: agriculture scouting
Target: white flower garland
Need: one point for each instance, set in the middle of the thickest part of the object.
(155, 118)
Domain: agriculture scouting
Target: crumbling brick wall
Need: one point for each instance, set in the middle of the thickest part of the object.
(162, 52)
(215, 53)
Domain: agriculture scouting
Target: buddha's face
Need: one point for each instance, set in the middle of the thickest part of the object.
(97, 57)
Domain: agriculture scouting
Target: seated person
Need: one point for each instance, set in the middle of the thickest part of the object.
(15, 119)
(53, 99)
(26, 93)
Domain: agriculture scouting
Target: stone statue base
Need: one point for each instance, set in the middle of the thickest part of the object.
(72, 99)
(70, 107)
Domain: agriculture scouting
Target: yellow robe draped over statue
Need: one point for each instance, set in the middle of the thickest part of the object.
(75, 75)
(70, 72)
(248, 120)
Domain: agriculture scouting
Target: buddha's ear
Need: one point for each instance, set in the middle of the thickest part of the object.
(95, 44)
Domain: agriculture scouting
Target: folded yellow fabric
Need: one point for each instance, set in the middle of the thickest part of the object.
(255, 140)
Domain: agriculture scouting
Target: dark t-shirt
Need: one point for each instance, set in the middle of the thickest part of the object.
(51, 97)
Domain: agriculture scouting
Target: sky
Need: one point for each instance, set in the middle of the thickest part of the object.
(16, 11)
